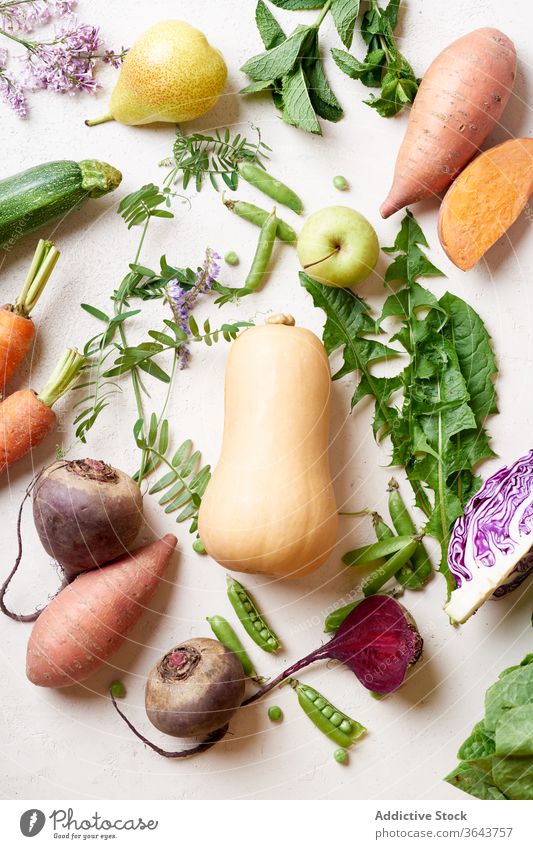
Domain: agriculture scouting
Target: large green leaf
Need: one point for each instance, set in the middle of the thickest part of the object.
(514, 689)
(473, 780)
(296, 101)
(345, 15)
(280, 60)
(270, 31)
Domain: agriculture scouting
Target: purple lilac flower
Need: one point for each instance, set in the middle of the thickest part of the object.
(24, 17)
(12, 94)
(67, 63)
(182, 300)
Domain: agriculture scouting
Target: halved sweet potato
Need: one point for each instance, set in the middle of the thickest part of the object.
(484, 201)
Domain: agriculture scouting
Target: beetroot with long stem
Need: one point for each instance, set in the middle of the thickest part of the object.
(378, 641)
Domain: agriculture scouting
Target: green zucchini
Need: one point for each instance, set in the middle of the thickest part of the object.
(49, 191)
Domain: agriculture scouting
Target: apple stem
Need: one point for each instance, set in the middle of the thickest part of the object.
(318, 261)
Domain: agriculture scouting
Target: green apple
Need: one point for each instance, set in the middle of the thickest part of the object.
(338, 246)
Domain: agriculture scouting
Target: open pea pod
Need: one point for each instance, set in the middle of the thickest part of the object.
(335, 724)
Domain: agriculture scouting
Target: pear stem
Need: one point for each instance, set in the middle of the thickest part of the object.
(102, 120)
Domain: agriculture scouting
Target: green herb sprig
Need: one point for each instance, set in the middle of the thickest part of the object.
(291, 67)
(447, 392)
(111, 357)
(384, 66)
(197, 156)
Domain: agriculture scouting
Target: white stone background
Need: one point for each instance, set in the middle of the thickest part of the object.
(70, 744)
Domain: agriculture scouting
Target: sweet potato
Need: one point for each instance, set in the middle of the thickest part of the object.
(460, 99)
(485, 200)
(86, 623)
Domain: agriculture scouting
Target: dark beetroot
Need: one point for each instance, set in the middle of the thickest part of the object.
(378, 641)
(86, 513)
(192, 691)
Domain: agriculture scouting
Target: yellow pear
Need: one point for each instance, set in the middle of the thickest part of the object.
(170, 74)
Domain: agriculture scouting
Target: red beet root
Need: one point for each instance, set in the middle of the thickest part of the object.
(378, 641)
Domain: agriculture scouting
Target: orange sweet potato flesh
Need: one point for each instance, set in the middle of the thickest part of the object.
(461, 98)
(485, 200)
(87, 621)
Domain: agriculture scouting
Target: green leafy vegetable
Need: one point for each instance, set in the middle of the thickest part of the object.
(291, 67)
(496, 760)
(434, 409)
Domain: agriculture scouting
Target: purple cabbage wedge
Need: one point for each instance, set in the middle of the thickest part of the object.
(491, 546)
(378, 641)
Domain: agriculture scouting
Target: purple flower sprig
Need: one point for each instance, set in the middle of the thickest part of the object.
(66, 63)
(183, 298)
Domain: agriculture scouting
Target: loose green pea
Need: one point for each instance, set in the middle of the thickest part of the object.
(118, 689)
(340, 183)
(198, 546)
(231, 258)
(275, 713)
(341, 756)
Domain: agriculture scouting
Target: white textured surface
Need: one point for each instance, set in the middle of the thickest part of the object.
(70, 743)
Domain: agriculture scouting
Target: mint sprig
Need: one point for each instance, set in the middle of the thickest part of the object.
(291, 66)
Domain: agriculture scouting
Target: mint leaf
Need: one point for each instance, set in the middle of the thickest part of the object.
(296, 5)
(270, 31)
(391, 12)
(278, 61)
(253, 88)
(322, 97)
(345, 15)
(296, 101)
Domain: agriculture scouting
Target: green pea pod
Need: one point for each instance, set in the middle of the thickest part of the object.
(252, 621)
(335, 619)
(381, 529)
(373, 583)
(421, 566)
(330, 720)
(263, 252)
(256, 215)
(268, 184)
(225, 634)
(376, 551)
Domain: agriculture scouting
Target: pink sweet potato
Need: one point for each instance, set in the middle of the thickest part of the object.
(460, 99)
(86, 623)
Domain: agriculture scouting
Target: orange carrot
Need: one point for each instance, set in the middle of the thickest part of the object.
(26, 418)
(87, 622)
(16, 327)
(460, 100)
(485, 200)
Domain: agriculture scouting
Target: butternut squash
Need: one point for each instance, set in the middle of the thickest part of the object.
(269, 507)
